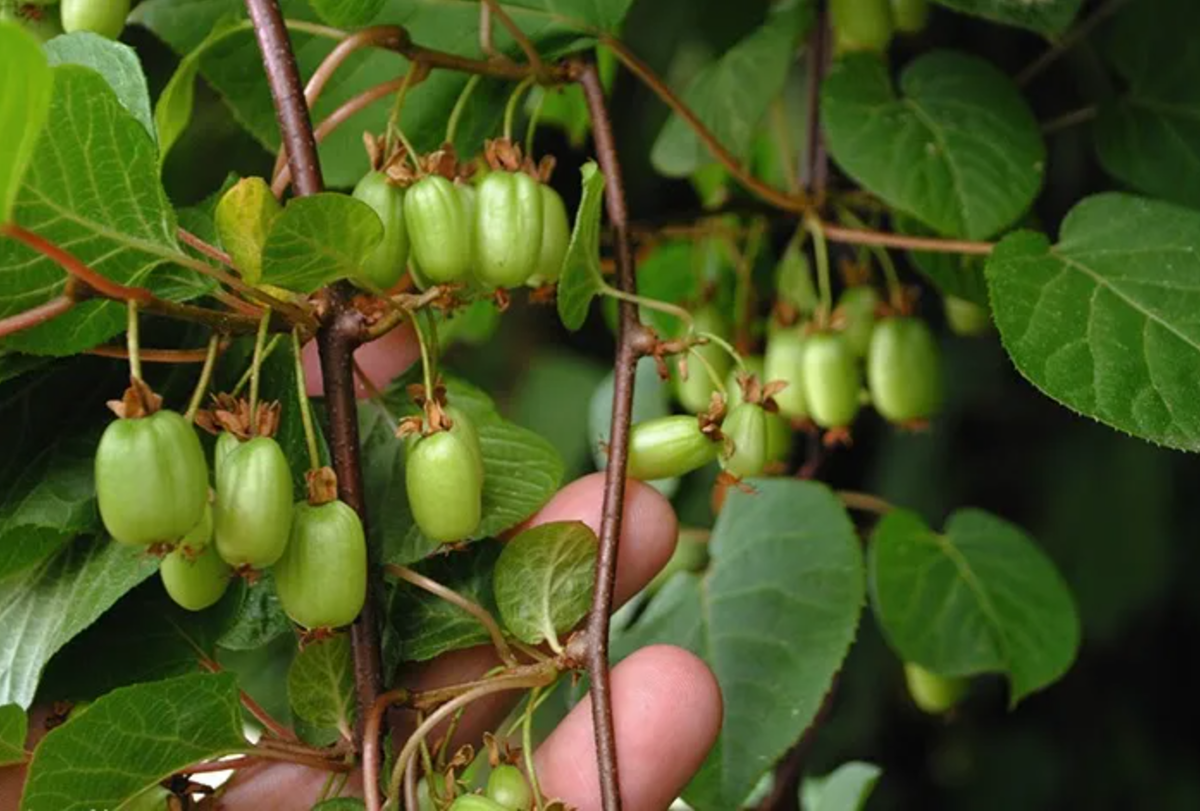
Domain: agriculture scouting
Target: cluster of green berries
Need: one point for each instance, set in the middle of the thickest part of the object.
(152, 487)
(40, 18)
(869, 25)
(507, 790)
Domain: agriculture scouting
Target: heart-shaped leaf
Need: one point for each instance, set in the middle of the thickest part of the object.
(581, 280)
(958, 149)
(318, 239)
(1104, 321)
(116, 62)
(979, 597)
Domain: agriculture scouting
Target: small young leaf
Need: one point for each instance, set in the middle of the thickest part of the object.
(847, 788)
(318, 239)
(977, 598)
(42, 608)
(732, 95)
(321, 684)
(132, 738)
(1104, 321)
(1147, 137)
(26, 83)
(13, 727)
(422, 625)
(773, 616)
(543, 580)
(959, 149)
(1043, 16)
(116, 62)
(347, 13)
(581, 280)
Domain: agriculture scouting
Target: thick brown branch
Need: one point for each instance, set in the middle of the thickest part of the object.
(622, 412)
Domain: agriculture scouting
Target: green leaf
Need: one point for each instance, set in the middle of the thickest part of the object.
(543, 580)
(232, 65)
(347, 13)
(93, 188)
(42, 608)
(553, 399)
(260, 619)
(774, 618)
(144, 637)
(959, 149)
(318, 239)
(581, 279)
(13, 727)
(131, 739)
(422, 625)
(117, 63)
(321, 684)
(977, 598)
(847, 788)
(340, 804)
(1103, 322)
(26, 84)
(731, 96)
(1043, 16)
(954, 274)
(521, 471)
(1149, 137)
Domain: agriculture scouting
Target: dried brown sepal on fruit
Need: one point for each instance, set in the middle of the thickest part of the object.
(232, 414)
(838, 437)
(442, 161)
(759, 393)
(544, 294)
(712, 417)
(503, 155)
(436, 419)
(322, 486)
(248, 573)
(312, 636)
(444, 298)
(138, 401)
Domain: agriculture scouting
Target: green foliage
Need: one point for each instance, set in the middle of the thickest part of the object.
(581, 280)
(26, 91)
(318, 239)
(320, 684)
(847, 788)
(1102, 321)
(347, 13)
(13, 725)
(130, 739)
(774, 617)
(977, 598)
(117, 63)
(1043, 16)
(543, 580)
(958, 149)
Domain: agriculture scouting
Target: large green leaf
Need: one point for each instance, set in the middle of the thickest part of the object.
(321, 684)
(774, 617)
(1149, 137)
(1044, 16)
(543, 580)
(979, 597)
(42, 608)
(92, 188)
(1104, 321)
(958, 149)
(131, 739)
(13, 726)
(422, 625)
(347, 13)
(521, 471)
(581, 279)
(117, 63)
(732, 95)
(233, 66)
(318, 239)
(26, 85)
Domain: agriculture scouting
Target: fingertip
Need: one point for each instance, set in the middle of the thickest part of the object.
(381, 361)
(662, 696)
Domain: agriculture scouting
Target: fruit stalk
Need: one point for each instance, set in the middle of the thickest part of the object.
(339, 335)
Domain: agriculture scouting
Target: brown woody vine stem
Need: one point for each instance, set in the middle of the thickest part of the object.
(858, 236)
(338, 337)
(629, 338)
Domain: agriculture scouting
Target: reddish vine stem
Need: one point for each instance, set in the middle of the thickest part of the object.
(372, 733)
(535, 59)
(858, 236)
(630, 341)
(38, 315)
(152, 355)
(253, 707)
(339, 335)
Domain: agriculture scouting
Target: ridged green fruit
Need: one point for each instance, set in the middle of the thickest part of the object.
(556, 238)
(253, 513)
(856, 307)
(445, 488)
(322, 577)
(464, 428)
(227, 443)
(779, 439)
(745, 450)
(103, 17)
(904, 370)
(507, 786)
(508, 229)
(733, 388)
(151, 479)
(932, 693)
(784, 361)
(695, 393)
(861, 25)
(667, 447)
(831, 380)
(439, 230)
(195, 581)
(794, 282)
(386, 264)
